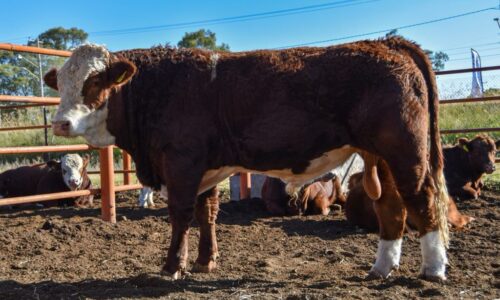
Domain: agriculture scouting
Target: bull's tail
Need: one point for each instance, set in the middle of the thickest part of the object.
(436, 161)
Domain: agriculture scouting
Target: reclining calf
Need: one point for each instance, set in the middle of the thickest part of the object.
(466, 163)
(191, 117)
(69, 174)
(313, 198)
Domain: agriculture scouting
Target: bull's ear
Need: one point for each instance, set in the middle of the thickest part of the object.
(121, 72)
(52, 164)
(86, 160)
(464, 144)
(50, 78)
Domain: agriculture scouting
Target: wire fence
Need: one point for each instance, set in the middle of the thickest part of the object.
(477, 115)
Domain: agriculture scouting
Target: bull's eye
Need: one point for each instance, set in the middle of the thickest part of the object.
(64, 172)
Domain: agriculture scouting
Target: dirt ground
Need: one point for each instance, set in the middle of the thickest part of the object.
(70, 253)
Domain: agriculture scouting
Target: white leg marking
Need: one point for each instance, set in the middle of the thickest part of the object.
(145, 197)
(149, 199)
(433, 256)
(388, 255)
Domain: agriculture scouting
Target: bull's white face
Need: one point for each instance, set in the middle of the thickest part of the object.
(84, 83)
(72, 166)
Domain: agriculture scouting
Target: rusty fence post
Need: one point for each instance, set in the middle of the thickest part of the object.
(245, 185)
(108, 208)
(126, 167)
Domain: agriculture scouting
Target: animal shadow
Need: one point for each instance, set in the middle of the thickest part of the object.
(143, 285)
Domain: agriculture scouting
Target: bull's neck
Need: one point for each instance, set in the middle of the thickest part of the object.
(464, 165)
(117, 122)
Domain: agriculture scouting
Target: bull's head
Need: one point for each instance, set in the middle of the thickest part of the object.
(481, 152)
(73, 169)
(85, 83)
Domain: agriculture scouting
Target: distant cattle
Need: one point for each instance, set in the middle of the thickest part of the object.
(466, 163)
(360, 210)
(314, 198)
(69, 174)
(191, 117)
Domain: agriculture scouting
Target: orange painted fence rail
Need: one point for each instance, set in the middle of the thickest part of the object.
(107, 190)
(36, 50)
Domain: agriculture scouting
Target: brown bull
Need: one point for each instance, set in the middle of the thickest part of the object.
(191, 117)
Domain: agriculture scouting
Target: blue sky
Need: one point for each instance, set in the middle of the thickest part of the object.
(30, 17)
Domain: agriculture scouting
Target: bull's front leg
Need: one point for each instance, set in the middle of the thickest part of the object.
(206, 209)
(468, 192)
(182, 190)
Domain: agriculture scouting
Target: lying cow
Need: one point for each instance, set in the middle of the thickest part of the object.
(70, 174)
(465, 164)
(191, 117)
(314, 198)
(360, 210)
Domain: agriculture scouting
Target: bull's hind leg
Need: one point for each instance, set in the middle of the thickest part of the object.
(419, 194)
(391, 216)
(206, 209)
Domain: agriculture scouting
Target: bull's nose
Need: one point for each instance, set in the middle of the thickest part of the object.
(61, 127)
(491, 168)
(74, 184)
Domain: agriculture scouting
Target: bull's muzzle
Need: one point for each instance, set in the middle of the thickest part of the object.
(73, 184)
(490, 168)
(61, 128)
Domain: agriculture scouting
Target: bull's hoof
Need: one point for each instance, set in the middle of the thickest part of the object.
(433, 276)
(182, 273)
(176, 275)
(208, 268)
(377, 274)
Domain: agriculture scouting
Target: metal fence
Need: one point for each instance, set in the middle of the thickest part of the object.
(106, 161)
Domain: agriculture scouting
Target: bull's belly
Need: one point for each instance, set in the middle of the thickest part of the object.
(317, 167)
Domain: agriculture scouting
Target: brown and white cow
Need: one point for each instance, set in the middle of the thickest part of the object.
(314, 198)
(466, 163)
(360, 210)
(69, 174)
(191, 117)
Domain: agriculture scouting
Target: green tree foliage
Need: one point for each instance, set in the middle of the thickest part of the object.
(202, 38)
(438, 59)
(60, 38)
(20, 72)
(14, 79)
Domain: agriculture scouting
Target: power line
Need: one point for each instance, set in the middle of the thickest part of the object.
(241, 18)
(466, 58)
(475, 48)
(387, 30)
(470, 46)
